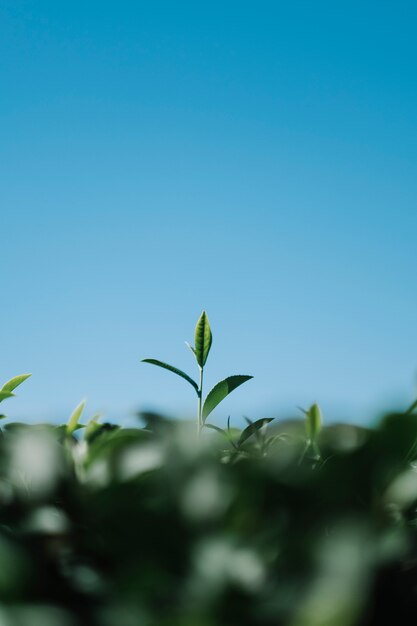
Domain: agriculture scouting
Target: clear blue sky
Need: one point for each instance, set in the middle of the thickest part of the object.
(256, 159)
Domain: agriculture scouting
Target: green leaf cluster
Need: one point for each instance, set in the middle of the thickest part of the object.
(203, 340)
(283, 522)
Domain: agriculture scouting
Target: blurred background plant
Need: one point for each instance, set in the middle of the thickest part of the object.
(290, 522)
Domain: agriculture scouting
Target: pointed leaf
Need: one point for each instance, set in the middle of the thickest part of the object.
(230, 435)
(5, 394)
(203, 339)
(173, 369)
(15, 382)
(253, 428)
(92, 425)
(220, 391)
(256, 432)
(190, 347)
(74, 418)
(217, 429)
(313, 422)
(412, 408)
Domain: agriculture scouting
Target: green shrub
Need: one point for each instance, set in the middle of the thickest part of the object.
(291, 522)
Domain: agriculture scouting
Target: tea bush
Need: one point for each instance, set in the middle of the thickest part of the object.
(289, 522)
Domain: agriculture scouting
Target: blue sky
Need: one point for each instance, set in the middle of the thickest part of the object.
(257, 160)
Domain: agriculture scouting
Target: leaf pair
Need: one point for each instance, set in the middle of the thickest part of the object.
(73, 423)
(203, 339)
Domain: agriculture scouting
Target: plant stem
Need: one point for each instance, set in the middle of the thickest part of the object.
(200, 403)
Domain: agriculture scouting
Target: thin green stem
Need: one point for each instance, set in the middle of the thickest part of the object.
(200, 403)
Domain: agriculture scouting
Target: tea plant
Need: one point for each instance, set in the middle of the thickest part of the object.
(296, 523)
(202, 343)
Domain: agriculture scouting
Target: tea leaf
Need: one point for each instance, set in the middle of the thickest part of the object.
(74, 418)
(203, 339)
(217, 429)
(92, 425)
(220, 391)
(5, 394)
(173, 369)
(313, 422)
(15, 382)
(253, 428)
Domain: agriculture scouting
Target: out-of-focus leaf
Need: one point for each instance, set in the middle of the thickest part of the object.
(203, 339)
(96, 430)
(113, 440)
(92, 425)
(16, 426)
(411, 408)
(217, 429)
(270, 441)
(313, 422)
(220, 391)
(231, 434)
(173, 369)
(74, 418)
(15, 382)
(5, 394)
(253, 428)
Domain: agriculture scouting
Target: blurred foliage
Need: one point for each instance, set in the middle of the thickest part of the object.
(291, 523)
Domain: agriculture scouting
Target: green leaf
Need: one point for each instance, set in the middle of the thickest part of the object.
(190, 347)
(171, 368)
(203, 339)
(412, 408)
(15, 382)
(5, 394)
(253, 428)
(92, 425)
(217, 429)
(220, 391)
(313, 422)
(74, 418)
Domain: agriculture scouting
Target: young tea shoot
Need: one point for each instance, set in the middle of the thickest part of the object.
(203, 340)
(8, 388)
